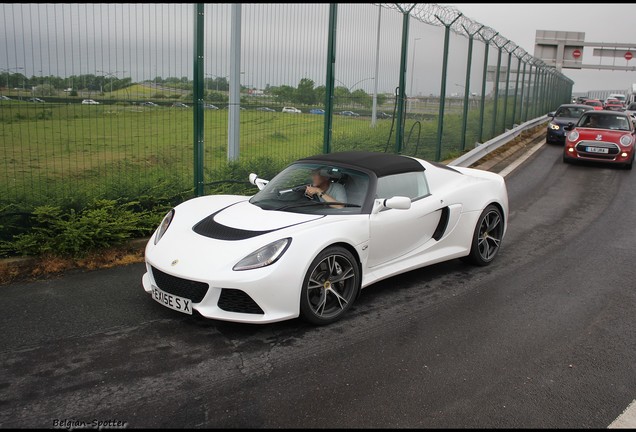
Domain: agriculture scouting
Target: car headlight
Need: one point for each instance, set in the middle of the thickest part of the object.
(264, 256)
(554, 126)
(626, 140)
(573, 136)
(165, 223)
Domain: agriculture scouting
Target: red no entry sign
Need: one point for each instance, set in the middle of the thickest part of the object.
(576, 53)
(628, 56)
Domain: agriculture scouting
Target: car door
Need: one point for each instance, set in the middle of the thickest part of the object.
(394, 233)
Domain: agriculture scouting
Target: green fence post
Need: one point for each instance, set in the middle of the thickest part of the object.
(442, 93)
(493, 128)
(523, 84)
(506, 94)
(529, 97)
(399, 132)
(535, 92)
(469, 60)
(331, 64)
(514, 103)
(197, 98)
(482, 104)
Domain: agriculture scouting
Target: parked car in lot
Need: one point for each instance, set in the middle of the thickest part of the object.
(179, 105)
(614, 105)
(292, 110)
(210, 106)
(601, 136)
(317, 111)
(383, 115)
(564, 115)
(36, 100)
(289, 251)
(89, 102)
(266, 109)
(594, 103)
(349, 113)
(149, 104)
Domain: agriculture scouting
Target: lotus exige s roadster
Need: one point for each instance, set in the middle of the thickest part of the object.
(319, 232)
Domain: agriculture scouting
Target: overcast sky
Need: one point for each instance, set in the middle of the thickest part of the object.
(282, 43)
(601, 22)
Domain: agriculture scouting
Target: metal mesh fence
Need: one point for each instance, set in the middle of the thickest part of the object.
(98, 100)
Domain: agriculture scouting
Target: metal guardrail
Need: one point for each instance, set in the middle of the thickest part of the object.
(482, 150)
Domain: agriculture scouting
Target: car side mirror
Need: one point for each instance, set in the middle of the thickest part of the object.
(258, 182)
(569, 126)
(397, 202)
(551, 114)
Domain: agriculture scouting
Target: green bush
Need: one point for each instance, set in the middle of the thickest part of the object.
(72, 233)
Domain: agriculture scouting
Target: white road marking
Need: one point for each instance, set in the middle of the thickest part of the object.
(627, 420)
(510, 168)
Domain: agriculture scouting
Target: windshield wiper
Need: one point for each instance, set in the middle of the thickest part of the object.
(309, 204)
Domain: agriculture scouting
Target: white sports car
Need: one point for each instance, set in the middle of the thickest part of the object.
(294, 250)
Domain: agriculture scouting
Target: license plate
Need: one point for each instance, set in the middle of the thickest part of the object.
(597, 150)
(172, 301)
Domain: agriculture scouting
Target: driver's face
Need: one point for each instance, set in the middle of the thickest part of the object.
(317, 179)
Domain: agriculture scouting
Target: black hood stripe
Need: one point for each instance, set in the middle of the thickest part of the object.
(210, 228)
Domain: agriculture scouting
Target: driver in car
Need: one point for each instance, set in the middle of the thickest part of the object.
(325, 189)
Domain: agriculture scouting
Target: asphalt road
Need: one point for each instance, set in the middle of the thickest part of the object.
(545, 337)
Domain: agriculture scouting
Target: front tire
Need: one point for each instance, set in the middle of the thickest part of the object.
(330, 286)
(486, 237)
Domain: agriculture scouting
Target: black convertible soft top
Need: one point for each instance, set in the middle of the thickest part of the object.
(382, 164)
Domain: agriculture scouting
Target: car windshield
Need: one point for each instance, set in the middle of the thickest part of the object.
(597, 121)
(594, 103)
(286, 191)
(571, 112)
(632, 107)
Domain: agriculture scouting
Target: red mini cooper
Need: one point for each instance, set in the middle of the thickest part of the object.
(601, 136)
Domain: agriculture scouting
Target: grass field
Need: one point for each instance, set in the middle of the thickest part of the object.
(56, 153)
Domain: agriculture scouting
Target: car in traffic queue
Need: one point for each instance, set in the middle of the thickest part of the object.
(614, 105)
(290, 251)
(594, 103)
(601, 136)
(564, 115)
(631, 110)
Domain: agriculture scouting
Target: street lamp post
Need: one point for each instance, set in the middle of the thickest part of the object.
(413, 66)
(111, 75)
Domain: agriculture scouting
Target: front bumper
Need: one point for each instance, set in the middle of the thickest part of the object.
(262, 296)
(555, 136)
(576, 151)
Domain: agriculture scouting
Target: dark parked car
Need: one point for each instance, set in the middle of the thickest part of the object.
(37, 100)
(349, 113)
(565, 114)
(265, 109)
(383, 115)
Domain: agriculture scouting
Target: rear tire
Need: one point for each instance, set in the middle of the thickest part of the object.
(486, 237)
